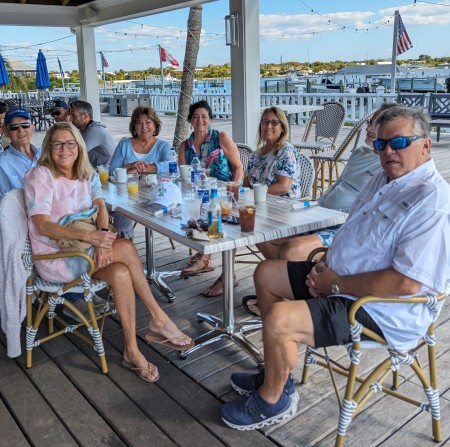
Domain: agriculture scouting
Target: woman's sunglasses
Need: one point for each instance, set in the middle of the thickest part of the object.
(14, 127)
(56, 113)
(395, 143)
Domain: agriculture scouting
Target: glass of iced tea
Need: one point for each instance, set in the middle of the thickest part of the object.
(226, 204)
(234, 187)
(247, 215)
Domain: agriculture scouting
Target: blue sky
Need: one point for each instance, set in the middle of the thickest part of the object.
(291, 30)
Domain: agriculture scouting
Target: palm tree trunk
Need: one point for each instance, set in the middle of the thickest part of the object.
(194, 26)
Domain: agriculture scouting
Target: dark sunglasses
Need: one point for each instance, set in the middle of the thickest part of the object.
(395, 143)
(14, 127)
(56, 113)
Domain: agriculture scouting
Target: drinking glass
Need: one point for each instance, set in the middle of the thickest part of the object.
(133, 183)
(247, 215)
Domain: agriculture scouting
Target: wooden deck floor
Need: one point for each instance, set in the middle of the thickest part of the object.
(64, 400)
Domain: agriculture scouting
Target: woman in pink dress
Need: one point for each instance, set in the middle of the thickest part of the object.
(64, 183)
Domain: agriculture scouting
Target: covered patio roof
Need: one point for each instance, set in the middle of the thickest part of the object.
(83, 16)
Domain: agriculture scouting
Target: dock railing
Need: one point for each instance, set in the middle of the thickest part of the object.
(356, 104)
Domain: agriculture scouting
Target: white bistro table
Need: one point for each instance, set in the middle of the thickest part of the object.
(274, 219)
(116, 194)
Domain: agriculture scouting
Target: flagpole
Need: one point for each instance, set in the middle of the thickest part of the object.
(394, 53)
(162, 70)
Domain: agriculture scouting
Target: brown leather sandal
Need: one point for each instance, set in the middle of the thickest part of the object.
(199, 266)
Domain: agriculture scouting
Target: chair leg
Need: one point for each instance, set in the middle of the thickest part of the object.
(172, 243)
(94, 331)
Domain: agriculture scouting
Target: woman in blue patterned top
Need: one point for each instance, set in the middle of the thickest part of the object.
(218, 155)
(276, 161)
(216, 150)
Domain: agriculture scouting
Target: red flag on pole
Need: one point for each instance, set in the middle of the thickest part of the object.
(103, 59)
(403, 40)
(167, 56)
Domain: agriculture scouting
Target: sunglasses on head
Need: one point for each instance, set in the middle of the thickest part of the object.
(56, 113)
(395, 143)
(15, 127)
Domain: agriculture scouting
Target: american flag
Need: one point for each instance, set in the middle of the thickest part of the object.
(104, 61)
(167, 56)
(403, 40)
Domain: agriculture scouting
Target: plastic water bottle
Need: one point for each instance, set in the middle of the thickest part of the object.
(214, 216)
(203, 189)
(173, 164)
(195, 173)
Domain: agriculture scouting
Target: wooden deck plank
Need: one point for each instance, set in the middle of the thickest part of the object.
(38, 422)
(10, 433)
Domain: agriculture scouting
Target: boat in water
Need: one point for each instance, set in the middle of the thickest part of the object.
(413, 85)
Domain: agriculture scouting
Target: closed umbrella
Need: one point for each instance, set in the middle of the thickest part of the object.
(3, 74)
(42, 78)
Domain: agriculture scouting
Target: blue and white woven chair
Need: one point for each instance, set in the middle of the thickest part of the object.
(374, 381)
(49, 295)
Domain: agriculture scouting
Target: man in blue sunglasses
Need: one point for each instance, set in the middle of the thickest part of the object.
(21, 155)
(392, 245)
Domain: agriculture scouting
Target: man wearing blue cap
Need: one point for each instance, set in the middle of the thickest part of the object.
(21, 154)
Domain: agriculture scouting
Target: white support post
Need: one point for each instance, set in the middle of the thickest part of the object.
(245, 74)
(87, 67)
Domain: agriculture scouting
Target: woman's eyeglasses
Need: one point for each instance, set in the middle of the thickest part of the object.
(58, 145)
(274, 123)
(14, 127)
(395, 143)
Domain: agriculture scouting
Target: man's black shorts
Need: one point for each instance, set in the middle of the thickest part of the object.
(329, 315)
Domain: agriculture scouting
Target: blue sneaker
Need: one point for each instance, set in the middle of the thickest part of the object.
(245, 384)
(251, 413)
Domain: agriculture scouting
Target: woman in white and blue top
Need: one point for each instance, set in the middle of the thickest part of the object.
(143, 153)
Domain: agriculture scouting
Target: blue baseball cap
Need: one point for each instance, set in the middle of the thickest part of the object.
(14, 113)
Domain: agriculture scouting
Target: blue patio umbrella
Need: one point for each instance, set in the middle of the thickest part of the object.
(42, 78)
(4, 79)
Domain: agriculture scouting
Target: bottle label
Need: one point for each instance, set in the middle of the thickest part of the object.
(203, 194)
(195, 175)
(173, 167)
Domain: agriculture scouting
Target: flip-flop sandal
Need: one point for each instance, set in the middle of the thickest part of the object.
(194, 258)
(219, 292)
(246, 305)
(155, 337)
(199, 266)
(139, 371)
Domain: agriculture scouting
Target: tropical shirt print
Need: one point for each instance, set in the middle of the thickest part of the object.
(215, 160)
(265, 168)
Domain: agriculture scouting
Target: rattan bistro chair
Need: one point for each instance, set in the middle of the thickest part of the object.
(47, 295)
(328, 124)
(245, 152)
(360, 387)
(327, 162)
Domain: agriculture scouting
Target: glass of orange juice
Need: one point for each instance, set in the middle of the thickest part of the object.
(133, 183)
(103, 172)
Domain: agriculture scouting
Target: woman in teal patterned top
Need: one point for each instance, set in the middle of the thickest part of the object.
(218, 154)
(216, 150)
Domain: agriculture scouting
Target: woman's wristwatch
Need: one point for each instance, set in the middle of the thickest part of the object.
(105, 229)
(334, 286)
